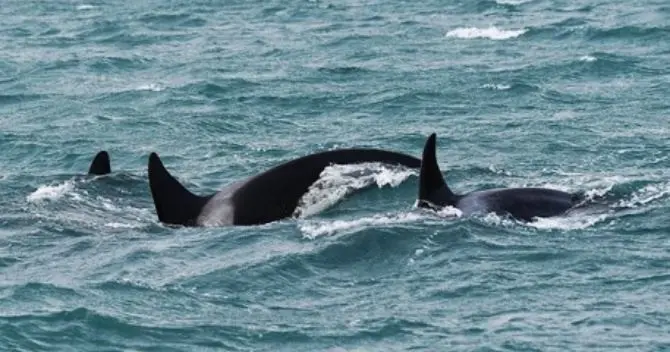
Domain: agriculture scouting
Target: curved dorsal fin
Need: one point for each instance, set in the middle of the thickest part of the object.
(433, 191)
(174, 203)
(100, 164)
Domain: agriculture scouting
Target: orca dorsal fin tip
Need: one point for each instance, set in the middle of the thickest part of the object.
(154, 163)
(429, 147)
(100, 164)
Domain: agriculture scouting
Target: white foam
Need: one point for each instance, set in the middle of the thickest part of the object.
(489, 33)
(598, 192)
(108, 205)
(444, 212)
(118, 225)
(154, 87)
(337, 181)
(315, 229)
(497, 171)
(646, 195)
(50, 192)
(84, 7)
(567, 222)
(497, 86)
(512, 2)
(495, 219)
(449, 212)
(578, 222)
(587, 58)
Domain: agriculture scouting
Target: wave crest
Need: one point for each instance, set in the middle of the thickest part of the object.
(493, 33)
(51, 192)
(312, 230)
(338, 181)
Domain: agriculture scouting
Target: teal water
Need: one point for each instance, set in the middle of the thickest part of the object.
(565, 94)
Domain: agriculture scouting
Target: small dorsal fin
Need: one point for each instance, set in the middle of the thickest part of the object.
(433, 190)
(174, 203)
(100, 164)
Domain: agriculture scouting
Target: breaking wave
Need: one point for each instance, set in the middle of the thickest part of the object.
(337, 181)
(493, 33)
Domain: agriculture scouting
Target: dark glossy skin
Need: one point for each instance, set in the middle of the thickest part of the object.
(100, 164)
(266, 197)
(520, 203)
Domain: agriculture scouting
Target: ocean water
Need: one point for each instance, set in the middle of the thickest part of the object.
(571, 95)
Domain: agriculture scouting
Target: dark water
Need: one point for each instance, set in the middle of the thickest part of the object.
(565, 94)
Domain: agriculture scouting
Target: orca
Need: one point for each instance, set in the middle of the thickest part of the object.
(100, 164)
(523, 204)
(266, 197)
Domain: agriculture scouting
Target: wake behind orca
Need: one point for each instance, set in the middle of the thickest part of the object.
(269, 196)
(520, 203)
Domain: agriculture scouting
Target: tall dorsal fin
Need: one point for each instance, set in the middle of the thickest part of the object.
(100, 164)
(433, 191)
(174, 203)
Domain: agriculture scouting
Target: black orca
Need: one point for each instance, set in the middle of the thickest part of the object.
(265, 197)
(519, 203)
(100, 164)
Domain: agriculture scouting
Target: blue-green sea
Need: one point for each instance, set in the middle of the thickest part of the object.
(571, 95)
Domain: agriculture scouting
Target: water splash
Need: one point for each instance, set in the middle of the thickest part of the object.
(579, 222)
(314, 229)
(497, 86)
(154, 87)
(84, 7)
(488, 33)
(51, 192)
(645, 195)
(337, 181)
(588, 58)
(512, 2)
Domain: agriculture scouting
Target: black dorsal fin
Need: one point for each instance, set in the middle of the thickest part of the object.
(174, 203)
(433, 191)
(100, 164)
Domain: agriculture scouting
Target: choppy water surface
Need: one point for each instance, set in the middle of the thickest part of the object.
(565, 94)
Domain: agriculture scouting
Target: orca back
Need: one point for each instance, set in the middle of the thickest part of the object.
(275, 193)
(266, 197)
(520, 203)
